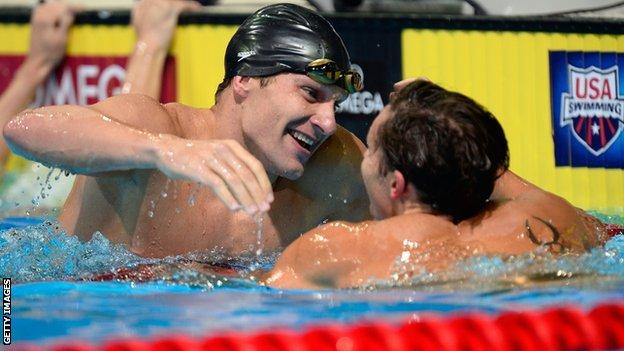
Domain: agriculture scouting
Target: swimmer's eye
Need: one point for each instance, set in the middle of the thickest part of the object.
(311, 92)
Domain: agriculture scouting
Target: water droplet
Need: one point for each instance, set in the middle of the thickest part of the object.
(259, 219)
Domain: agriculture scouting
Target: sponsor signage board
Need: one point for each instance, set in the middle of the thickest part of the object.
(84, 80)
(587, 108)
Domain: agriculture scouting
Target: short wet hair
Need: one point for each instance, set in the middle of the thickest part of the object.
(445, 144)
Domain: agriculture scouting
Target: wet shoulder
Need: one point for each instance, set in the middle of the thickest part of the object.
(139, 111)
(418, 241)
(547, 219)
(342, 147)
(191, 122)
(334, 170)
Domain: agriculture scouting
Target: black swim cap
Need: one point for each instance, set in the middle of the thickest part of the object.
(282, 38)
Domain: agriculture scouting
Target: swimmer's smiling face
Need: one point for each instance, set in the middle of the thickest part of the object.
(286, 121)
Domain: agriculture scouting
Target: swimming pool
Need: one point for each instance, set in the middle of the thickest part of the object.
(54, 300)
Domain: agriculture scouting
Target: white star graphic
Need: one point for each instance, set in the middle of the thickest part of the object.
(595, 128)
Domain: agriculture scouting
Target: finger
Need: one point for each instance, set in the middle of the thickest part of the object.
(186, 6)
(234, 185)
(65, 21)
(189, 5)
(256, 168)
(403, 83)
(222, 191)
(75, 8)
(248, 179)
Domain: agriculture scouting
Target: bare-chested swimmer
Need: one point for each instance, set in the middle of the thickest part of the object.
(286, 68)
(437, 179)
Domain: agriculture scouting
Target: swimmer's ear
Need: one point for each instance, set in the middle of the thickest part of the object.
(398, 185)
(241, 86)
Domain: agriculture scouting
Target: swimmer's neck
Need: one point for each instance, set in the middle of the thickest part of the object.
(412, 207)
(226, 123)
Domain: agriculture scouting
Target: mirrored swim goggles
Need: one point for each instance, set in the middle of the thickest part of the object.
(326, 71)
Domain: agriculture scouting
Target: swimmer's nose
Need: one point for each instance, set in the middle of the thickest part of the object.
(325, 118)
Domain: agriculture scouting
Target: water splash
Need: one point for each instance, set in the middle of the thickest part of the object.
(494, 272)
(44, 252)
(20, 196)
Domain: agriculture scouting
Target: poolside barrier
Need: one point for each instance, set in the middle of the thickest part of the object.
(561, 328)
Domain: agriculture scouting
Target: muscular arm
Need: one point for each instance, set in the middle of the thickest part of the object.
(129, 132)
(79, 139)
(19, 94)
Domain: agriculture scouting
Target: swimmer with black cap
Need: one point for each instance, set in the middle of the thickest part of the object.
(286, 68)
(299, 53)
(288, 38)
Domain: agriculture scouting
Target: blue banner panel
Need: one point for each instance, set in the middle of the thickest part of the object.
(587, 108)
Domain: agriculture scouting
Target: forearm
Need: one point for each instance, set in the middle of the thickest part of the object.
(19, 94)
(81, 140)
(145, 69)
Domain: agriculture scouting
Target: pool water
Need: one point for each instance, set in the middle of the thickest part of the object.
(54, 299)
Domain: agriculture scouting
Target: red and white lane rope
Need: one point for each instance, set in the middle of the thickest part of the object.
(562, 328)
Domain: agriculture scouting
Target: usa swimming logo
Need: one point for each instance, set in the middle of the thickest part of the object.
(587, 108)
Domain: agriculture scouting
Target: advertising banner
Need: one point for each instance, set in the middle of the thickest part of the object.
(84, 80)
(587, 109)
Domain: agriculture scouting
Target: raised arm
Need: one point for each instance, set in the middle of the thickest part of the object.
(154, 22)
(129, 132)
(49, 25)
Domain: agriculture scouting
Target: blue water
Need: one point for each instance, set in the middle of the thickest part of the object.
(52, 304)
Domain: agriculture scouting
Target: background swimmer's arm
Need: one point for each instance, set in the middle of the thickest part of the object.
(49, 25)
(154, 22)
(128, 132)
